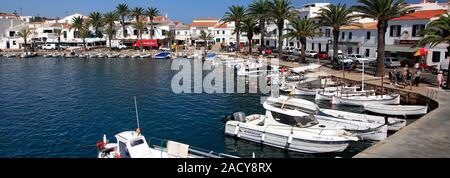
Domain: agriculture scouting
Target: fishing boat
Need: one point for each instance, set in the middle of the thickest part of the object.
(47, 55)
(101, 55)
(396, 110)
(92, 55)
(365, 100)
(365, 130)
(288, 129)
(27, 54)
(302, 105)
(328, 95)
(124, 56)
(56, 55)
(113, 55)
(11, 55)
(136, 56)
(145, 56)
(132, 144)
(309, 67)
(162, 55)
(81, 55)
(314, 91)
(303, 91)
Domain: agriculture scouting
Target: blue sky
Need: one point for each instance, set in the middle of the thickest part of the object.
(183, 10)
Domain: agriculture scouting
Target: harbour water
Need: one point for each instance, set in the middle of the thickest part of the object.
(54, 107)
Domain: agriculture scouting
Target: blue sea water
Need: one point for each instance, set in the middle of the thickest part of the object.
(60, 107)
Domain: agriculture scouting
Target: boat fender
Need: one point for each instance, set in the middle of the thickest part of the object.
(117, 155)
(100, 145)
(236, 130)
(289, 141)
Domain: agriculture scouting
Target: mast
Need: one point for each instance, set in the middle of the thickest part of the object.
(137, 115)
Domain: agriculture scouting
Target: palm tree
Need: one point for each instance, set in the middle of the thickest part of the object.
(139, 26)
(84, 33)
(95, 20)
(77, 23)
(382, 11)
(280, 10)
(437, 32)
(136, 13)
(301, 30)
(250, 26)
(123, 11)
(24, 33)
(58, 33)
(260, 10)
(205, 37)
(152, 12)
(336, 16)
(235, 14)
(109, 18)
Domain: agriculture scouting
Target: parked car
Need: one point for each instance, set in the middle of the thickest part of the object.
(391, 62)
(310, 53)
(63, 46)
(274, 49)
(288, 50)
(296, 51)
(321, 55)
(49, 46)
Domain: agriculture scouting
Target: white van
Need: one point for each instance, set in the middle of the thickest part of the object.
(48, 46)
(331, 52)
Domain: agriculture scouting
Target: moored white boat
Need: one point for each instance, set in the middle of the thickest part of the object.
(146, 56)
(131, 144)
(288, 129)
(135, 56)
(328, 95)
(365, 100)
(396, 110)
(363, 129)
(11, 55)
(124, 56)
(113, 55)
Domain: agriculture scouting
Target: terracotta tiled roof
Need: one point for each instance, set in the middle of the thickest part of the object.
(221, 25)
(157, 19)
(203, 24)
(422, 15)
(206, 19)
(364, 26)
(7, 15)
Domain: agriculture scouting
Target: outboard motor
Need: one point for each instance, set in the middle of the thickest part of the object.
(239, 116)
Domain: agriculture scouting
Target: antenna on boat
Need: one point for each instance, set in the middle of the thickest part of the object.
(137, 116)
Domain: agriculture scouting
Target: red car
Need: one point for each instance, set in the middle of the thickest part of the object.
(267, 51)
(321, 56)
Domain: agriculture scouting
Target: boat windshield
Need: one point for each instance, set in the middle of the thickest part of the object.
(296, 121)
(136, 142)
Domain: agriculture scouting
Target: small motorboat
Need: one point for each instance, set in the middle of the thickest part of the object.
(27, 54)
(162, 55)
(101, 55)
(328, 95)
(47, 55)
(396, 110)
(288, 129)
(136, 56)
(93, 55)
(81, 55)
(124, 56)
(11, 55)
(146, 56)
(56, 55)
(113, 55)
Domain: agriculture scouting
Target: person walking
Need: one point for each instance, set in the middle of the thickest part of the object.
(440, 79)
(417, 78)
(391, 77)
(408, 79)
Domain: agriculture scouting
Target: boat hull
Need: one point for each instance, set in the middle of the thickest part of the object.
(365, 100)
(396, 110)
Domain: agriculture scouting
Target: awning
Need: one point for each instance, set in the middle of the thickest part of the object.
(146, 43)
(400, 48)
(421, 52)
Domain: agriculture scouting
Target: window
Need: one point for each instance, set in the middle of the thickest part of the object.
(312, 46)
(320, 47)
(327, 47)
(292, 120)
(436, 56)
(395, 30)
(65, 34)
(416, 30)
(178, 32)
(357, 50)
(136, 142)
(217, 40)
(218, 32)
(343, 35)
(267, 43)
(350, 50)
(291, 43)
(368, 35)
(327, 33)
(11, 33)
(124, 153)
(223, 40)
(223, 32)
(350, 35)
(135, 32)
(367, 54)
(14, 42)
(126, 32)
